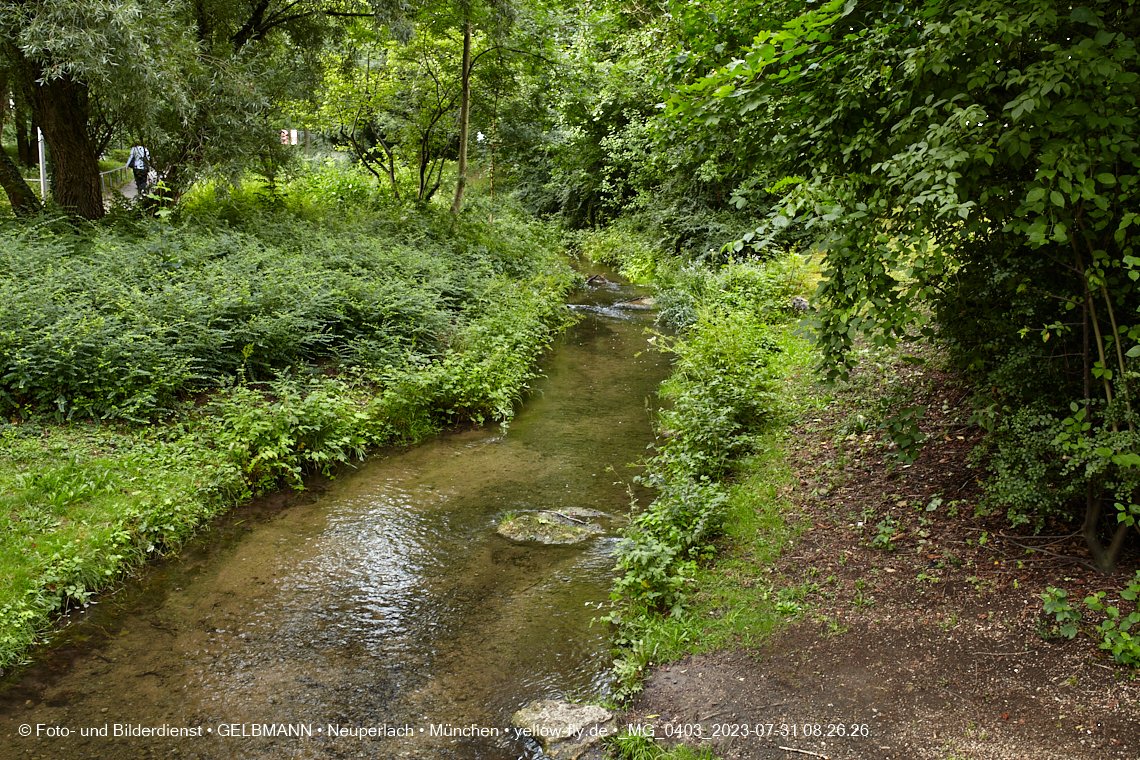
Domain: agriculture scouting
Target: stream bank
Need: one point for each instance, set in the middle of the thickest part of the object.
(153, 378)
(386, 601)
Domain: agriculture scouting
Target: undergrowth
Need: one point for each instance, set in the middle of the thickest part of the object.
(1115, 630)
(718, 466)
(127, 321)
(633, 747)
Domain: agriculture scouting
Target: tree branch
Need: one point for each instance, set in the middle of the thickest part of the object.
(544, 59)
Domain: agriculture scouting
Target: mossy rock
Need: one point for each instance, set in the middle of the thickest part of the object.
(546, 528)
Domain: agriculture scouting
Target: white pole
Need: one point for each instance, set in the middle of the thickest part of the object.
(43, 166)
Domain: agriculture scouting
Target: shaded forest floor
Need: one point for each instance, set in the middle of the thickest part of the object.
(926, 636)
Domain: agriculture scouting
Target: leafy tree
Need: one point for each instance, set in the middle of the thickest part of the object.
(599, 156)
(611, 154)
(407, 105)
(84, 66)
(393, 104)
(975, 166)
(197, 81)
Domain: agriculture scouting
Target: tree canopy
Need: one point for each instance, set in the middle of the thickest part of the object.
(974, 169)
(968, 172)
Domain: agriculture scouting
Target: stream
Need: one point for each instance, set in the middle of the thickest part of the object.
(380, 615)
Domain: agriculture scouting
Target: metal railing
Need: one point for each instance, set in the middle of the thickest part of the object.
(108, 180)
(114, 182)
(35, 182)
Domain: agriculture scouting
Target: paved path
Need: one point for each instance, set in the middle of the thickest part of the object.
(126, 190)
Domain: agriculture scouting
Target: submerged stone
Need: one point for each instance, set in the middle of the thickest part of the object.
(578, 512)
(565, 731)
(548, 527)
(645, 302)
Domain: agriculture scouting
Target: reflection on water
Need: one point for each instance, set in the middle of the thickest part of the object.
(388, 601)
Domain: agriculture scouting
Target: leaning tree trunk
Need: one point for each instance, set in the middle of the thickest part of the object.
(464, 120)
(24, 201)
(61, 108)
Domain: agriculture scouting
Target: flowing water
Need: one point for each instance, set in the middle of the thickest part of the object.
(386, 604)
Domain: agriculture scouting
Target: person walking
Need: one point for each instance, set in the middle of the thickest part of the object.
(139, 162)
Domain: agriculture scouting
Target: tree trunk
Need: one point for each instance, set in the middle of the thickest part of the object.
(464, 120)
(425, 171)
(61, 108)
(24, 201)
(23, 145)
(390, 166)
(1104, 557)
(5, 99)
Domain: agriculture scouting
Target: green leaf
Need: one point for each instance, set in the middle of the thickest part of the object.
(1057, 198)
(1106, 179)
(1126, 460)
(1084, 15)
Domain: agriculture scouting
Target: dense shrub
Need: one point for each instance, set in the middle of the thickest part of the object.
(106, 323)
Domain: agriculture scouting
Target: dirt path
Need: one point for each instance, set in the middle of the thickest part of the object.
(930, 650)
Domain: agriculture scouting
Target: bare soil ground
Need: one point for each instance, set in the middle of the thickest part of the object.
(931, 650)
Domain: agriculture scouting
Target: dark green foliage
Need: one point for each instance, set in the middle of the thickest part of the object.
(761, 291)
(977, 166)
(721, 394)
(1026, 467)
(611, 156)
(1115, 632)
(112, 324)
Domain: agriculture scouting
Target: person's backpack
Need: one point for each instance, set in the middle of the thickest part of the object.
(140, 159)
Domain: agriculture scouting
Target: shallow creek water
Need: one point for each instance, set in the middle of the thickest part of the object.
(386, 601)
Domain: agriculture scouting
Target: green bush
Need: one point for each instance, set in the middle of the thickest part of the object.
(721, 389)
(620, 247)
(722, 392)
(294, 429)
(330, 184)
(1041, 465)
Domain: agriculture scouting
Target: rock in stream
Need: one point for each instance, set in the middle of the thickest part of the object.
(565, 730)
(549, 527)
